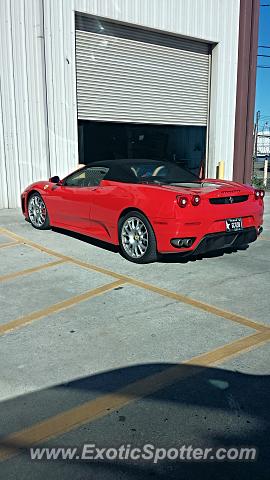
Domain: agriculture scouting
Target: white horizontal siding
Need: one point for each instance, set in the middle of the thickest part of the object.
(24, 154)
(61, 82)
(25, 102)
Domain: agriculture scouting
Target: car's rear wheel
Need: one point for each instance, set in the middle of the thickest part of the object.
(136, 238)
(37, 212)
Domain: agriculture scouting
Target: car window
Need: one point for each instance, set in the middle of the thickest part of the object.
(88, 177)
(149, 170)
(160, 172)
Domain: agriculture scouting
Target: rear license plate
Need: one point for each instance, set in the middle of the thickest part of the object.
(234, 224)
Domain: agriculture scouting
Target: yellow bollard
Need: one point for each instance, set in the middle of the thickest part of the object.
(221, 166)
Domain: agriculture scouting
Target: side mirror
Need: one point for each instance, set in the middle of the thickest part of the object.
(54, 179)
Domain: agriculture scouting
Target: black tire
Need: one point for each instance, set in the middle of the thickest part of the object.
(150, 253)
(36, 201)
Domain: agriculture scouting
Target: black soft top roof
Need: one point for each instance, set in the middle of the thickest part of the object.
(124, 161)
(120, 170)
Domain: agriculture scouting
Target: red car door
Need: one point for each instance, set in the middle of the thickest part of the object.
(70, 202)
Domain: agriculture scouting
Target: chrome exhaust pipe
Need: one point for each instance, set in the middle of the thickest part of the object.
(182, 242)
(188, 242)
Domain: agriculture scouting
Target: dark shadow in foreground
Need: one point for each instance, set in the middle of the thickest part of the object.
(202, 407)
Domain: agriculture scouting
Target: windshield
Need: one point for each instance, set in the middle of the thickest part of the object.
(161, 172)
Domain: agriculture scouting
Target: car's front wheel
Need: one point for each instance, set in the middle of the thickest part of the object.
(37, 212)
(136, 238)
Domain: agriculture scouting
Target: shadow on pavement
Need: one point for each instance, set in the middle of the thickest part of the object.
(168, 258)
(185, 257)
(205, 408)
(92, 241)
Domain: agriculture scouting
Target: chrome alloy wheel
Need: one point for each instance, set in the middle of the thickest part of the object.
(134, 236)
(37, 211)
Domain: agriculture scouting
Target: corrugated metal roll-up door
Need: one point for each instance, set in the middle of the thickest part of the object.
(127, 74)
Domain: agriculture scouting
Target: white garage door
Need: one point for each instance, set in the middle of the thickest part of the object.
(127, 74)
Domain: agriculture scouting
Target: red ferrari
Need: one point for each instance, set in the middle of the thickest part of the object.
(147, 207)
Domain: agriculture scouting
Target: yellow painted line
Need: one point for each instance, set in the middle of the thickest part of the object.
(232, 349)
(104, 405)
(57, 307)
(29, 242)
(234, 317)
(263, 237)
(80, 263)
(28, 271)
(9, 244)
(104, 271)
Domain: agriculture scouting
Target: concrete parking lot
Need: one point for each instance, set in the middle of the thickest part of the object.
(97, 350)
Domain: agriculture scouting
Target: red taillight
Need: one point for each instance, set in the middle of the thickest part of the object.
(196, 200)
(182, 201)
(259, 194)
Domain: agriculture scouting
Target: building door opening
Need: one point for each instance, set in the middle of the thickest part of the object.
(184, 145)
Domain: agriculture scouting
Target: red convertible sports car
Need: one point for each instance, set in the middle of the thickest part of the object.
(147, 207)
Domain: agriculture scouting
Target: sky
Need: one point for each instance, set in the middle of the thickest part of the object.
(263, 74)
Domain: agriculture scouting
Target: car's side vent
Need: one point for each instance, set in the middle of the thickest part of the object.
(228, 200)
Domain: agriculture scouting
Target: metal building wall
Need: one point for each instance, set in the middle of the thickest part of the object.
(23, 131)
(38, 78)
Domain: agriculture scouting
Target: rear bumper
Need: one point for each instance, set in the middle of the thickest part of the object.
(207, 229)
(222, 240)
